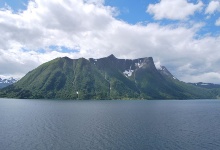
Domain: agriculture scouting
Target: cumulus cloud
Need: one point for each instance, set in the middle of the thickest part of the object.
(212, 7)
(217, 23)
(47, 23)
(173, 9)
(88, 28)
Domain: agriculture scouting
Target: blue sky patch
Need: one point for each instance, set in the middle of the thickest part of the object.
(16, 5)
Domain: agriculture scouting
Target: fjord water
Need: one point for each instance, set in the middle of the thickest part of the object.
(116, 124)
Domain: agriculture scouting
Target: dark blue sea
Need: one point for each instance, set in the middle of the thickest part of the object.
(109, 125)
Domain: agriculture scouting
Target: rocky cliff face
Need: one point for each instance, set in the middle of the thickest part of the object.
(104, 78)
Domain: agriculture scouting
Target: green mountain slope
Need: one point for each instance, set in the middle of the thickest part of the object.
(104, 78)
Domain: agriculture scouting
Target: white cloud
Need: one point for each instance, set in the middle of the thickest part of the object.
(91, 28)
(217, 23)
(212, 7)
(173, 9)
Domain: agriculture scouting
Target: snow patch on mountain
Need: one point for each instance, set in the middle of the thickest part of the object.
(204, 84)
(128, 73)
(139, 65)
(6, 81)
(158, 65)
(9, 80)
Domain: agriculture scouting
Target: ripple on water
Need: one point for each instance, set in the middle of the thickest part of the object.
(98, 125)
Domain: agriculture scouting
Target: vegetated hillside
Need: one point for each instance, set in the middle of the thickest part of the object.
(104, 78)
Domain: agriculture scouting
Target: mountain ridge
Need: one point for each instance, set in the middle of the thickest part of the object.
(206, 85)
(103, 78)
(4, 82)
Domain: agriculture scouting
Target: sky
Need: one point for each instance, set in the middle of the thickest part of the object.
(183, 35)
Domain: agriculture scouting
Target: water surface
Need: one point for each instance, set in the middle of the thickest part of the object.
(116, 124)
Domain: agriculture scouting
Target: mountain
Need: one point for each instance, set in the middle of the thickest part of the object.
(163, 70)
(206, 85)
(104, 78)
(6, 82)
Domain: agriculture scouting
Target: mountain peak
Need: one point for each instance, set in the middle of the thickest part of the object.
(112, 56)
(164, 71)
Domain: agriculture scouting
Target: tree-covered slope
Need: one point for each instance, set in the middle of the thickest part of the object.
(104, 78)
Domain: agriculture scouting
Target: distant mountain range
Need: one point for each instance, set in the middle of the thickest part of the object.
(7, 82)
(206, 85)
(104, 78)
